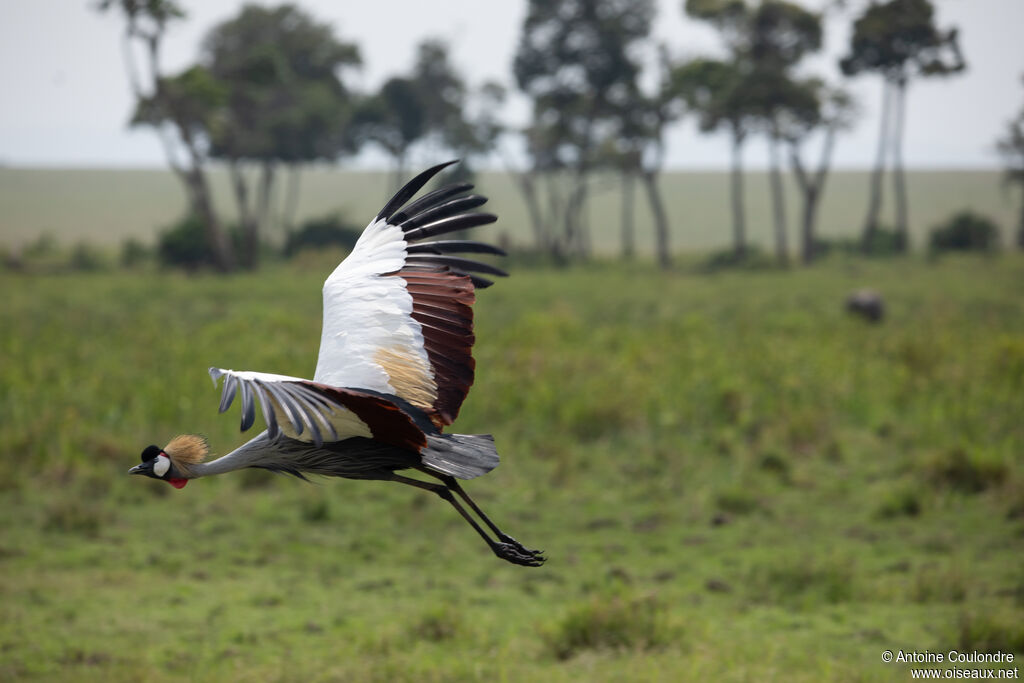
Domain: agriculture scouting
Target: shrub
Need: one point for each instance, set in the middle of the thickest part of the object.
(736, 502)
(899, 502)
(44, 246)
(752, 258)
(74, 516)
(609, 623)
(999, 630)
(133, 253)
(801, 582)
(184, 245)
(437, 625)
(937, 585)
(320, 232)
(965, 231)
(885, 242)
(965, 472)
(85, 258)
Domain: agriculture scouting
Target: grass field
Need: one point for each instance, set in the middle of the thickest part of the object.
(104, 207)
(732, 479)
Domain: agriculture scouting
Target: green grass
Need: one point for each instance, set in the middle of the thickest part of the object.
(105, 207)
(733, 481)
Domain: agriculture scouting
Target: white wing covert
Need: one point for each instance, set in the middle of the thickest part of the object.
(397, 314)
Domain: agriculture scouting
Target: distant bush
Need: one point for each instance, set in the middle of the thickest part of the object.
(965, 231)
(184, 245)
(966, 472)
(999, 630)
(948, 584)
(824, 246)
(44, 246)
(752, 258)
(85, 257)
(612, 624)
(437, 625)
(134, 253)
(901, 501)
(801, 581)
(331, 230)
(885, 242)
(72, 515)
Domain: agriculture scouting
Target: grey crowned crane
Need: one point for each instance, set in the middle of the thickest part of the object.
(395, 365)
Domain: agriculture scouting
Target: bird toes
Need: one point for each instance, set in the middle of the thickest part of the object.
(505, 538)
(516, 554)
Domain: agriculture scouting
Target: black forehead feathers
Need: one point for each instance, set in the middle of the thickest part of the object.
(150, 452)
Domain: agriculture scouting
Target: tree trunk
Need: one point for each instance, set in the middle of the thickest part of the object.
(739, 229)
(778, 203)
(216, 240)
(875, 197)
(261, 220)
(627, 225)
(650, 180)
(809, 246)
(399, 178)
(1020, 228)
(527, 187)
(557, 245)
(812, 190)
(577, 227)
(291, 201)
(899, 182)
(199, 192)
(245, 214)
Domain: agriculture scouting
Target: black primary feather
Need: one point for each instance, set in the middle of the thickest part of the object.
(430, 200)
(411, 188)
(451, 208)
(445, 225)
(454, 246)
(458, 263)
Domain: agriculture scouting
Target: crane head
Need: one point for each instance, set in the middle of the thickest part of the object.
(171, 462)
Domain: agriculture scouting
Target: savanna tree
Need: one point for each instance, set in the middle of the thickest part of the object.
(899, 41)
(815, 108)
(175, 107)
(287, 104)
(766, 41)
(714, 91)
(577, 61)
(393, 118)
(1011, 148)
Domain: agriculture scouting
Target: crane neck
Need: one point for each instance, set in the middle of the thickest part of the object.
(252, 452)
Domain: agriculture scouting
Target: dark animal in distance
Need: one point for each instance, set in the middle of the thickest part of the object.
(394, 366)
(867, 304)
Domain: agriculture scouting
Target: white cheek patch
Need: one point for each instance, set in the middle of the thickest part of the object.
(162, 464)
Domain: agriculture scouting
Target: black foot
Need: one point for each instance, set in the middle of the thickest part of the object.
(505, 538)
(517, 554)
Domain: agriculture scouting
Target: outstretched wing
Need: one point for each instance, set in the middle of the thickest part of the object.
(308, 411)
(398, 315)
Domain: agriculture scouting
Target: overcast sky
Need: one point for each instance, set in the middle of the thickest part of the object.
(65, 97)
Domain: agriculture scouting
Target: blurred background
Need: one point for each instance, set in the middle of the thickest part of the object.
(756, 378)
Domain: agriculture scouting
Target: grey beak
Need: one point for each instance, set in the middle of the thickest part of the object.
(135, 470)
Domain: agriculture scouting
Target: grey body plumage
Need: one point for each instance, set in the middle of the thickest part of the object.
(463, 456)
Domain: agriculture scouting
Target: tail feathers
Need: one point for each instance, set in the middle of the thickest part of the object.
(464, 456)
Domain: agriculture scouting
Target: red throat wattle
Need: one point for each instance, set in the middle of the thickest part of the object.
(177, 483)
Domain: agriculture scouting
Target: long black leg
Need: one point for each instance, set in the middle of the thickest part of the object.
(507, 551)
(453, 484)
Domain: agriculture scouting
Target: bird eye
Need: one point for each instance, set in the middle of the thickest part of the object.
(162, 464)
